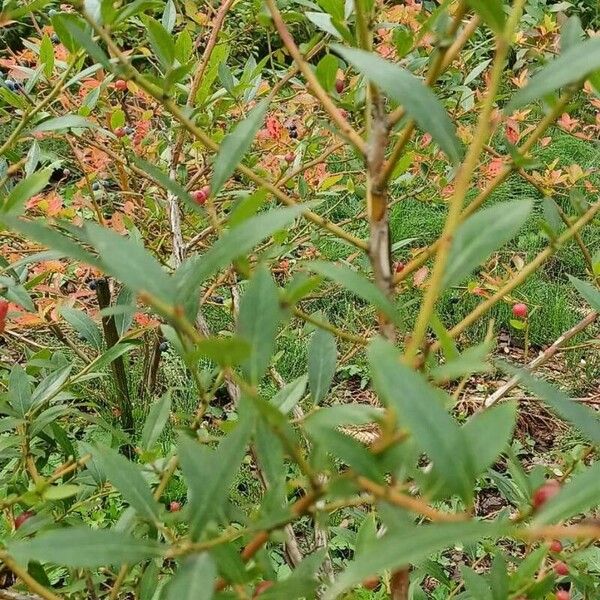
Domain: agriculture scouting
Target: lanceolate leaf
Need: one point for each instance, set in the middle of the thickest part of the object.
(25, 189)
(418, 100)
(481, 234)
(194, 580)
(492, 12)
(588, 291)
(572, 66)
(577, 496)
(81, 547)
(83, 325)
(583, 418)
(322, 357)
(409, 545)
(356, 283)
(488, 433)
(235, 145)
(155, 422)
(418, 408)
(128, 480)
(209, 474)
(233, 243)
(258, 322)
(64, 122)
(19, 390)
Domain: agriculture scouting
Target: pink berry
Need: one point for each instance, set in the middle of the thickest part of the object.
(556, 546)
(120, 132)
(201, 195)
(175, 506)
(545, 492)
(561, 568)
(120, 85)
(339, 86)
(520, 310)
(563, 595)
(289, 157)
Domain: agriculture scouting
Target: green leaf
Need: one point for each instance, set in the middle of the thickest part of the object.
(117, 119)
(236, 242)
(82, 36)
(169, 16)
(128, 261)
(235, 145)
(418, 408)
(572, 66)
(25, 189)
(258, 320)
(302, 581)
(492, 12)
(225, 351)
(156, 420)
(475, 584)
(19, 390)
(184, 46)
(571, 33)
(64, 122)
(409, 545)
(51, 385)
(161, 42)
(577, 496)
(407, 89)
(83, 325)
(47, 55)
(194, 580)
(128, 480)
(322, 358)
(481, 234)
(83, 548)
(487, 434)
(588, 291)
(583, 418)
(289, 395)
(327, 71)
(356, 283)
(165, 181)
(60, 492)
(210, 474)
(324, 22)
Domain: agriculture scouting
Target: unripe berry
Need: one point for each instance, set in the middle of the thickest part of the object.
(561, 568)
(545, 492)
(120, 85)
(556, 546)
(563, 595)
(24, 516)
(520, 310)
(175, 506)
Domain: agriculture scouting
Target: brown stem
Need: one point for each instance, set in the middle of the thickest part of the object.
(111, 337)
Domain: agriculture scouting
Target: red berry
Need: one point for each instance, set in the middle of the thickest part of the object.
(175, 506)
(555, 546)
(3, 312)
(520, 310)
(24, 516)
(561, 568)
(120, 132)
(399, 266)
(289, 157)
(201, 195)
(339, 85)
(563, 595)
(545, 492)
(120, 85)
(344, 113)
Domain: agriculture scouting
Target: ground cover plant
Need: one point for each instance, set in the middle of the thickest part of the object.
(299, 299)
